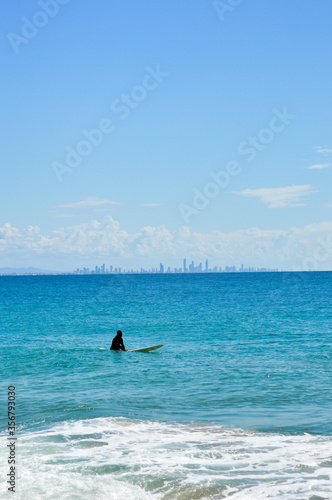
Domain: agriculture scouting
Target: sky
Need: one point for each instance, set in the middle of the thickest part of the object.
(135, 133)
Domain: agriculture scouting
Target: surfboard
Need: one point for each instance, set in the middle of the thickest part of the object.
(146, 349)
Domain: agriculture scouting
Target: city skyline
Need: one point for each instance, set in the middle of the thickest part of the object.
(161, 269)
(177, 270)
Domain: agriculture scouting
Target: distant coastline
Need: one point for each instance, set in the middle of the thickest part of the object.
(42, 272)
(26, 271)
(103, 271)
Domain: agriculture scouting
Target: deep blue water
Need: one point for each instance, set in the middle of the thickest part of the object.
(241, 351)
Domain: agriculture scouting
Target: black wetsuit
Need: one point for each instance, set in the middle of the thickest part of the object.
(117, 344)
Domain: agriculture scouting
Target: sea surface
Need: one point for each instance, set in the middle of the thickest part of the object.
(237, 404)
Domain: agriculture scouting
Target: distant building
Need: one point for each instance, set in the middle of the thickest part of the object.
(190, 269)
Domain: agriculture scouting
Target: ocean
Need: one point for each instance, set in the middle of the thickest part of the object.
(236, 404)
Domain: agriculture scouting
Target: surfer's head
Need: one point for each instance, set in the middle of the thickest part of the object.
(119, 333)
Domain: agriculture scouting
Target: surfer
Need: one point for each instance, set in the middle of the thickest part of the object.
(117, 342)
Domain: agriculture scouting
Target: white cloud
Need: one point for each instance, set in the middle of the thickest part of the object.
(89, 202)
(319, 166)
(323, 150)
(151, 205)
(104, 240)
(280, 197)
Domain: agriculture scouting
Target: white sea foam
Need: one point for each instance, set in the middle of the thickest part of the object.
(121, 459)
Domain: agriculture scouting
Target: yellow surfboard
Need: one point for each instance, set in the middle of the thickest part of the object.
(146, 349)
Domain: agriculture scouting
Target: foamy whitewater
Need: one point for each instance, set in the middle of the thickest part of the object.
(237, 404)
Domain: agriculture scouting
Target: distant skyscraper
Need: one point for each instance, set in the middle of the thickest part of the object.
(206, 265)
(161, 268)
(185, 265)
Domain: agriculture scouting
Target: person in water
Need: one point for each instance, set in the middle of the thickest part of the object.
(117, 342)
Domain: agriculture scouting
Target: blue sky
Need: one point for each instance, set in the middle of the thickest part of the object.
(196, 86)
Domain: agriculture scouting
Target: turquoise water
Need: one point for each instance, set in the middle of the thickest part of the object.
(236, 404)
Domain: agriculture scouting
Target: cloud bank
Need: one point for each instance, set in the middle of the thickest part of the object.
(105, 240)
